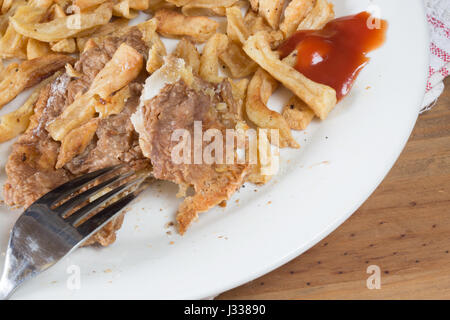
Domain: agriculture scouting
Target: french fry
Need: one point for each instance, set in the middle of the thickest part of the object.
(6, 71)
(124, 67)
(155, 5)
(236, 29)
(71, 72)
(90, 44)
(4, 18)
(319, 16)
(28, 73)
(37, 49)
(209, 60)
(271, 10)
(187, 51)
(118, 27)
(173, 24)
(207, 7)
(254, 5)
(123, 9)
(56, 12)
(148, 30)
(295, 12)
(6, 5)
(256, 23)
(179, 3)
(139, 4)
(260, 89)
(237, 62)
(257, 173)
(63, 3)
(320, 98)
(102, 31)
(65, 46)
(85, 4)
(76, 141)
(297, 114)
(42, 4)
(75, 115)
(13, 44)
(16, 122)
(156, 53)
(62, 28)
(239, 91)
(115, 104)
(2, 69)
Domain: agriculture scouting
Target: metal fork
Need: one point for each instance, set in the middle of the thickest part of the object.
(44, 234)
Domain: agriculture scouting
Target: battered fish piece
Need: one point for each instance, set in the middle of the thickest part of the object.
(177, 106)
(31, 167)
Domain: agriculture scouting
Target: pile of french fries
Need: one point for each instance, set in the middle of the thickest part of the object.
(240, 44)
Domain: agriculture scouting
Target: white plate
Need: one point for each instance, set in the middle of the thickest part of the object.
(341, 162)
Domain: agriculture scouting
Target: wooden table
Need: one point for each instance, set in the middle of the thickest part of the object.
(404, 228)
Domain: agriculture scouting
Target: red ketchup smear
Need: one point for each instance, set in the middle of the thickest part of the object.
(336, 54)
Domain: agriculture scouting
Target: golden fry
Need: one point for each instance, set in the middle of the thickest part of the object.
(123, 68)
(71, 72)
(123, 9)
(319, 16)
(187, 51)
(56, 12)
(6, 5)
(237, 62)
(62, 28)
(37, 49)
(271, 10)
(4, 18)
(115, 104)
(260, 89)
(28, 73)
(102, 31)
(239, 91)
(13, 44)
(16, 122)
(156, 53)
(65, 46)
(295, 12)
(78, 113)
(139, 4)
(76, 141)
(207, 7)
(297, 114)
(179, 3)
(209, 61)
(256, 23)
(155, 5)
(320, 98)
(173, 24)
(85, 4)
(254, 5)
(236, 28)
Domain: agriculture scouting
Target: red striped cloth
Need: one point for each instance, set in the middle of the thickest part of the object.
(438, 15)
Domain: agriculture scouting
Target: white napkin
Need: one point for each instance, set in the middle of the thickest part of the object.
(438, 16)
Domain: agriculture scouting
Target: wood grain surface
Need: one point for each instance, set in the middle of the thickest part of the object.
(404, 228)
